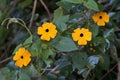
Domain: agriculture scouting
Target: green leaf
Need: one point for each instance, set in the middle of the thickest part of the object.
(25, 3)
(48, 62)
(98, 40)
(109, 33)
(65, 66)
(93, 60)
(46, 53)
(35, 49)
(74, 1)
(113, 52)
(85, 73)
(18, 46)
(51, 76)
(28, 41)
(67, 6)
(23, 76)
(67, 70)
(5, 70)
(58, 13)
(60, 20)
(63, 62)
(79, 60)
(91, 4)
(2, 77)
(94, 29)
(33, 71)
(106, 61)
(65, 44)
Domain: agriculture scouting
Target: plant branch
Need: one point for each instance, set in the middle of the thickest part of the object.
(46, 8)
(88, 74)
(118, 77)
(45, 69)
(5, 60)
(33, 13)
(108, 72)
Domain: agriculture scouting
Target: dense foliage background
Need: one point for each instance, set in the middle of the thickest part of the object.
(60, 58)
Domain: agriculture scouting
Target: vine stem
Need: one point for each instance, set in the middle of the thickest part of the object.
(33, 13)
(46, 8)
(18, 21)
(24, 25)
(5, 60)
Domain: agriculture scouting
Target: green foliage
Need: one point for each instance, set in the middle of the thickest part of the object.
(74, 1)
(60, 20)
(94, 29)
(62, 45)
(79, 60)
(23, 76)
(61, 58)
(91, 4)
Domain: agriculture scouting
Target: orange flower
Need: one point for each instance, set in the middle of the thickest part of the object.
(82, 36)
(101, 18)
(47, 31)
(22, 57)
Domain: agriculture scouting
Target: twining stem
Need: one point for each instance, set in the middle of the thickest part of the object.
(18, 21)
(33, 13)
(5, 60)
(24, 25)
(46, 8)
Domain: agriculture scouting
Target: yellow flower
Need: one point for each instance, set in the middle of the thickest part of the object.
(101, 18)
(82, 36)
(22, 57)
(47, 31)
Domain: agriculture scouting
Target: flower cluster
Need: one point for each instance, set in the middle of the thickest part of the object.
(48, 31)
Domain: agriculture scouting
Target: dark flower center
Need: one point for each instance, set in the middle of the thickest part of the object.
(100, 17)
(47, 30)
(21, 57)
(81, 35)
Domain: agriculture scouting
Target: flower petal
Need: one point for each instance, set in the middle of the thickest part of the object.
(88, 36)
(26, 54)
(45, 37)
(95, 17)
(19, 63)
(53, 33)
(77, 30)
(101, 23)
(75, 36)
(82, 41)
(40, 31)
(26, 61)
(107, 18)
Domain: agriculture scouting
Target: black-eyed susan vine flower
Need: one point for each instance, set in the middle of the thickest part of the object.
(101, 18)
(22, 57)
(82, 36)
(47, 31)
